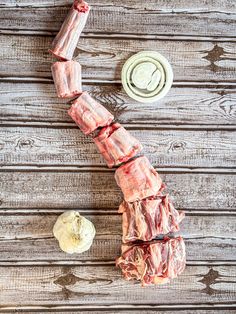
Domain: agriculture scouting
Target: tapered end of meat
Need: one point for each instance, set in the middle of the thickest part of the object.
(64, 44)
(153, 262)
(88, 114)
(81, 6)
(67, 78)
(116, 144)
(138, 179)
(146, 219)
(58, 54)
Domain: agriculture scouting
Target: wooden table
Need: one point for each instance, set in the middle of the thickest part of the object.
(48, 166)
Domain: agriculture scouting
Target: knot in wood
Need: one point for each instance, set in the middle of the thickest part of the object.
(66, 280)
(25, 144)
(177, 145)
(208, 280)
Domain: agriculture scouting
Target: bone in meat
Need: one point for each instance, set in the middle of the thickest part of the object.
(153, 262)
(67, 78)
(64, 44)
(116, 144)
(146, 219)
(88, 114)
(138, 179)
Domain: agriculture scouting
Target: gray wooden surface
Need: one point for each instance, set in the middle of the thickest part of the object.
(48, 166)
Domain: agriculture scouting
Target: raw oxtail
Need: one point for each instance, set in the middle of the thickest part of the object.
(116, 144)
(88, 114)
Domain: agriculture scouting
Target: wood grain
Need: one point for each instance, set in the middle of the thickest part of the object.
(103, 59)
(104, 285)
(97, 189)
(227, 6)
(47, 166)
(158, 17)
(22, 233)
(205, 105)
(68, 146)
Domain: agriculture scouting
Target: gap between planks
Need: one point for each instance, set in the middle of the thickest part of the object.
(130, 126)
(104, 263)
(68, 168)
(119, 307)
(23, 32)
(112, 211)
(176, 83)
(226, 308)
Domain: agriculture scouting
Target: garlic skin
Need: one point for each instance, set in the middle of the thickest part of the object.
(74, 232)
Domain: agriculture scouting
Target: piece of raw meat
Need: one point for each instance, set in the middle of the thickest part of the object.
(67, 78)
(138, 179)
(64, 44)
(116, 144)
(146, 219)
(153, 262)
(88, 114)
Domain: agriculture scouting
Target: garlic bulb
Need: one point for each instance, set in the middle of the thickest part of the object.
(74, 232)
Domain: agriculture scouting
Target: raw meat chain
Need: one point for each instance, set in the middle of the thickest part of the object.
(147, 211)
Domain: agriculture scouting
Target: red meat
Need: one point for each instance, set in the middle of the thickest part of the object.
(67, 78)
(138, 179)
(89, 114)
(146, 219)
(116, 144)
(153, 262)
(64, 44)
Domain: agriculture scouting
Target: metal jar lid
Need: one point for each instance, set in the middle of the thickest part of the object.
(147, 76)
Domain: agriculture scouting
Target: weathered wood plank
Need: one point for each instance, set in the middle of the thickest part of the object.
(164, 148)
(127, 17)
(182, 105)
(200, 60)
(103, 58)
(178, 5)
(27, 237)
(61, 189)
(28, 232)
(104, 285)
